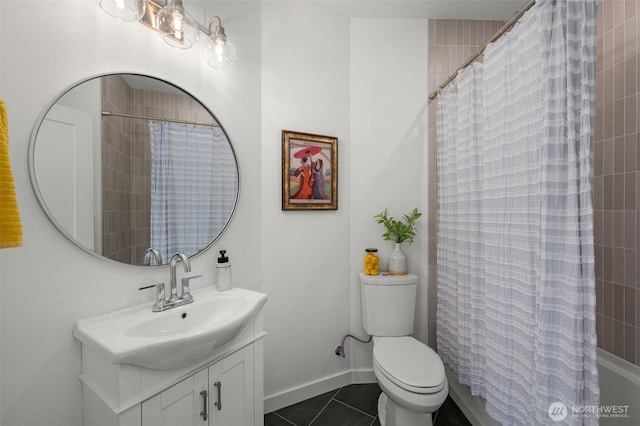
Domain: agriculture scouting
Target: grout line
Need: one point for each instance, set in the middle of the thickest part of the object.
(325, 406)
(354, 408)
(286, 420)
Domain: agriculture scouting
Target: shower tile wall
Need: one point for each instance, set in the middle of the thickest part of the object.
(617, 180)
(617, 164)
(451, 43)
(126, 163)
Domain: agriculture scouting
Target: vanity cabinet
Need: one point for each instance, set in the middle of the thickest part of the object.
(220, 395)
(181, 404)
(131, 395)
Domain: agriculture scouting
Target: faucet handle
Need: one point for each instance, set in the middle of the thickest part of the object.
(185, 286)
(151, 255)
(160, 302)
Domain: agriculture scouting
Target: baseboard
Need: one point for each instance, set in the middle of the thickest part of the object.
(318, 387)
(363, 376)
(471, 406)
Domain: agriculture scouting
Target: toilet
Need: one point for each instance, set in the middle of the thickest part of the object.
(410, 374)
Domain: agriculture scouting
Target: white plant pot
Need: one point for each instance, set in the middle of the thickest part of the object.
(397, 261)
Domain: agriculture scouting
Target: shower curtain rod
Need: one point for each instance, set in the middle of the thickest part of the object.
(507, 26)
(142, 117)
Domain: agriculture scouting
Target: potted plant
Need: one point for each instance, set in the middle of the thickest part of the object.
(398, 231)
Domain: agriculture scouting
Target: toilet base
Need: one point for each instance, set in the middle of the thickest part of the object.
(392, 414)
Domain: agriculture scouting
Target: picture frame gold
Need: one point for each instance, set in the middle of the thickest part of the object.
(309, 171)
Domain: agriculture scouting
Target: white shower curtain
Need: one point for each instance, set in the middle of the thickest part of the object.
(516, 290)
(193, 172)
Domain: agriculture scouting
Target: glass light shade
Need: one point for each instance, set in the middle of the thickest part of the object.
(176, 27)
(219, 54)
(125, 10)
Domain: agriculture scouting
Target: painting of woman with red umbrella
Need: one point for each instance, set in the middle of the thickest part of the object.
(309, 171)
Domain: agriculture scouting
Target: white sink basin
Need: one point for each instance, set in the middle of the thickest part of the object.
(174, 338)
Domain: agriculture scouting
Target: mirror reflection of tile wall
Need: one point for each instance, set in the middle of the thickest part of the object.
(116, 170)
(126, 163)
(451, 43)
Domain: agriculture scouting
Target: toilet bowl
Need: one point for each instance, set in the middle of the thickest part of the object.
(412, 378)
(410, 374)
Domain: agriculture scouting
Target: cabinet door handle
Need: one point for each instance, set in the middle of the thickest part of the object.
(219, 402)
(203, 413)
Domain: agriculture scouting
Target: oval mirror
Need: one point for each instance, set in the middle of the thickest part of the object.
(134, 169)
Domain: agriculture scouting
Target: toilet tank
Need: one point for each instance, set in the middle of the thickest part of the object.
(388, 304)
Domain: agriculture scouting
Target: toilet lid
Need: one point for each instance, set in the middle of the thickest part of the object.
(409, 364)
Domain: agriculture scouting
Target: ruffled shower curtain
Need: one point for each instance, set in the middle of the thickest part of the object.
(516, 287)
(193, 172)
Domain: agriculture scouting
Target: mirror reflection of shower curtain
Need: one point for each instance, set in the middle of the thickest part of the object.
(191, 166)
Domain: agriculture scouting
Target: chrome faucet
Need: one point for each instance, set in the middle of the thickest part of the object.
(162, 303)
(152, 254)
(187, 268)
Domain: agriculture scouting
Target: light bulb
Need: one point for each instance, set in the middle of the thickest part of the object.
(220, 54)
(176, 22)
(177, 28)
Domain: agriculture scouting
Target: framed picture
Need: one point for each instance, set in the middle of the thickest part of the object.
(309, 171)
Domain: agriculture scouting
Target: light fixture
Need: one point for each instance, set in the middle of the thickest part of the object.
(219, 52)
(177, 27)
(126, 10)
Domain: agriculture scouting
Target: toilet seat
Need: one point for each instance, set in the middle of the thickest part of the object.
(409, 364)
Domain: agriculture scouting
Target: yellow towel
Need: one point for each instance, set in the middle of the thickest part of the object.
(10, 226)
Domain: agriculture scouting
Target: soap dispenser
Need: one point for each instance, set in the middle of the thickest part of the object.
(224, 272)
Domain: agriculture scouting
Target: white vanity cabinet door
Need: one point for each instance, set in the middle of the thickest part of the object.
(180, 405)
(230, 400)
(231, 390)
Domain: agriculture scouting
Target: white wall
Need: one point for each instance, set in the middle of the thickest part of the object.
(389, 150)
(305, 87)
(304, 66)
(320, 75)
(48, 283)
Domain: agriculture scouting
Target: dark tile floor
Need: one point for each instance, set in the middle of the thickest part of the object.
(353, 405)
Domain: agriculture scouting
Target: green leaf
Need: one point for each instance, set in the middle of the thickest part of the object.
(399, 231)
